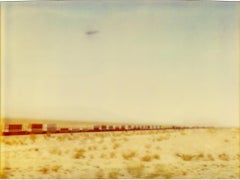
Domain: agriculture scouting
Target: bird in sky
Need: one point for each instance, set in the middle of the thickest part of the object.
(91, 32)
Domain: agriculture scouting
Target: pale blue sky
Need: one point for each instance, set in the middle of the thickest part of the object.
(160, 62)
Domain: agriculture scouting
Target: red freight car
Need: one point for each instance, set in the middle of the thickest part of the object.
(37, 128)
(15, 127)
(110, 128)
(122, 127)
(103, 127)
(51, 128)
(64, 130)
(96, 128)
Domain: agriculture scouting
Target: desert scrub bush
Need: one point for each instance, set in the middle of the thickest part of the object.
(185, 157)
(56, 168)
(114, 174)
(135, 170)
(103, 156)
(129, 155)
(199, 156)
(146, 158)
(80, 153)
(91, 156)
(33, 137)
(10, 141)
(44, 170)
(163, 171)
(99, 174)
(125, 139)
(104, 147)
(209, 157)
(47, 135)
(61, 137)
(115, 146)
(183, 132)
(55, 151)
(211, 130)
(156, 156)
(224, 157)
(92, 148)
(3, 175)
(112, 155)
(161, 138)
(238, 156)
(148, 146)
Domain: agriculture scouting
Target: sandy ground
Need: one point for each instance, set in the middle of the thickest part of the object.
(190, 153)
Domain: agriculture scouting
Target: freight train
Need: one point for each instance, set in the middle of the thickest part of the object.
(17, 129)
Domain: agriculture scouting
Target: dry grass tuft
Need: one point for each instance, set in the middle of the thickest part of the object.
(164, 171)
(224, 157)
(146, 158)
(79, 154)
(62, 137)
(103, 156)
(114, 174)
(129, 155)
(33, 138)
(199, 156)
(162, 138)
(3, 176)
(116, 145)
(156, 156)
(55, 151)
(56, 168)
(148, 146)
(136, 171)
(112, 155)
(44, 170)
(100, 174)
(185, 157)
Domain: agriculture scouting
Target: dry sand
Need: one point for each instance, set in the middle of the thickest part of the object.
(190, 153)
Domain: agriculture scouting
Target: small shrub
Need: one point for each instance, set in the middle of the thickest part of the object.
(129, 155)
(44, 170)
(56, 168)
(209, 157)
(115, 146)
(185, 157)
(91, 156)
(61, 137)
(32, 137)
(147, 146)
(104, 147)
(223, 157)
(55, 151)
(164, 171)
(3, 175)
(48, 135)
(135, 171)
(103, 155)
(100, 174)
(156, 156)
(80, 153)
(112, 155)
(113, 174)
(147, 158)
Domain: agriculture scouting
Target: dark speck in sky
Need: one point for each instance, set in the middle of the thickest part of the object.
(91, 32)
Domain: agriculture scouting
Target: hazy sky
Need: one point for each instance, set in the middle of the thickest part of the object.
(138, 61)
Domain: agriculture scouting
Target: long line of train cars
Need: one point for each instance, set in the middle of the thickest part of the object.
(17, 129)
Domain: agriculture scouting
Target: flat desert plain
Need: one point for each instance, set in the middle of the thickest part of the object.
(188, 153)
